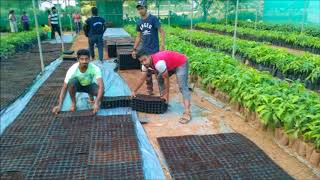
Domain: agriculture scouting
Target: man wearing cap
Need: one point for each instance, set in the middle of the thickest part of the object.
(148, 27)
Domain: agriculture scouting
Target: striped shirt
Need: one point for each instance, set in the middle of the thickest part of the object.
(54, 18)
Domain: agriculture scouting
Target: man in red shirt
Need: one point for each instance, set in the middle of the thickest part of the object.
(166, 63)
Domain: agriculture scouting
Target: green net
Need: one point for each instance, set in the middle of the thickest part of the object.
(300, 13)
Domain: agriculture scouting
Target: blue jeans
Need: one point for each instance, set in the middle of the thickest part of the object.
(182, 80)
(96, 39)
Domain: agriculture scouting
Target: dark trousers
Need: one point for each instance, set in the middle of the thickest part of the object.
(149, 80)
(25, 26)
(55, 28)
(77, 26)
(96, 39)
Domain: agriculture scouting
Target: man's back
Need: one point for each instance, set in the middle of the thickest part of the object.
(96, 25)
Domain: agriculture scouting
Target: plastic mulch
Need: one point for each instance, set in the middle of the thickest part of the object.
(39, 145)
(220, 156)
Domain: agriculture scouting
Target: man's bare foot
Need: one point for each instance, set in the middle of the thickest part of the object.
(73, 107)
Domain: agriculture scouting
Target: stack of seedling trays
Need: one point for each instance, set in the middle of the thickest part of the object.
(112, 49)
(141, 103)
(126, 61)
(68, 55)
(116, 42)
(149, 104)
(115, 102)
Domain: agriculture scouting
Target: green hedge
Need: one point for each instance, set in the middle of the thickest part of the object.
(289, 39)
(311, 30)
(279, 62)
(14, 42)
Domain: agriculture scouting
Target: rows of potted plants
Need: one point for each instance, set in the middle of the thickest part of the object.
(280, 63)
(311, 30)
(289, 39)
(291, 109)
(15, 42)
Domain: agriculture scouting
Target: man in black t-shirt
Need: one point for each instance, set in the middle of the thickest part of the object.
(95, 26)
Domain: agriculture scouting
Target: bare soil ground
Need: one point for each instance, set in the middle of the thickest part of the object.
(211, 119)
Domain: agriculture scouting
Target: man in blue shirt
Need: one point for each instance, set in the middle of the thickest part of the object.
(148, 28)
(95, 27)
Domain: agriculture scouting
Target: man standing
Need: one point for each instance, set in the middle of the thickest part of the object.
(167, 63)
(25, 21)
(95, 26)
(77, 21)
(148, 27)
(83, 76)
(53, 20)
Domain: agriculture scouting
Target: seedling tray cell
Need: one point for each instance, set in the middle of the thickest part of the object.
(221, 156)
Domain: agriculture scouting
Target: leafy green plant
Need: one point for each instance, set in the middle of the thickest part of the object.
(310, 30)
(278, 103)
(303, 67)
(292, 39)
(13, 42)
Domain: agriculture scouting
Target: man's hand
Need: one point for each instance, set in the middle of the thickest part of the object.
(133, 94)
(134, 54)
(165, 97)
(162, 48)
(56, 109)
(96, 107)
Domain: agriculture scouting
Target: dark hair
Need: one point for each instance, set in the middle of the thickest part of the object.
(94, 11)
(11, 11)
(53, 8)
(141, 52)
(83, 52)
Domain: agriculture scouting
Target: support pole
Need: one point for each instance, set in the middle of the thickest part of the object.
(169, 23)
(227, 10)
(61, 30)
(38, 35)
(235, 31)
(70, 17)
(191, 21)
(304, 15)
(158, 9)
(256, 20)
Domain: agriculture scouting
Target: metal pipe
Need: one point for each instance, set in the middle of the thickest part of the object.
(169, 12)
(61, 30)
(227, 12)
(235, 31)
(304, 15)
(191, 21)
(38, 35)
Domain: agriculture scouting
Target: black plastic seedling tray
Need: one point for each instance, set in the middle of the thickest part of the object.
(127, 62)
(220, 156)
(69, 58)
(141, 103)
(115, 102)
(149, 104)
(68, 52)
(112, 50)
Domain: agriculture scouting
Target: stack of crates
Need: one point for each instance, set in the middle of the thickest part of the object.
(126, 61)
